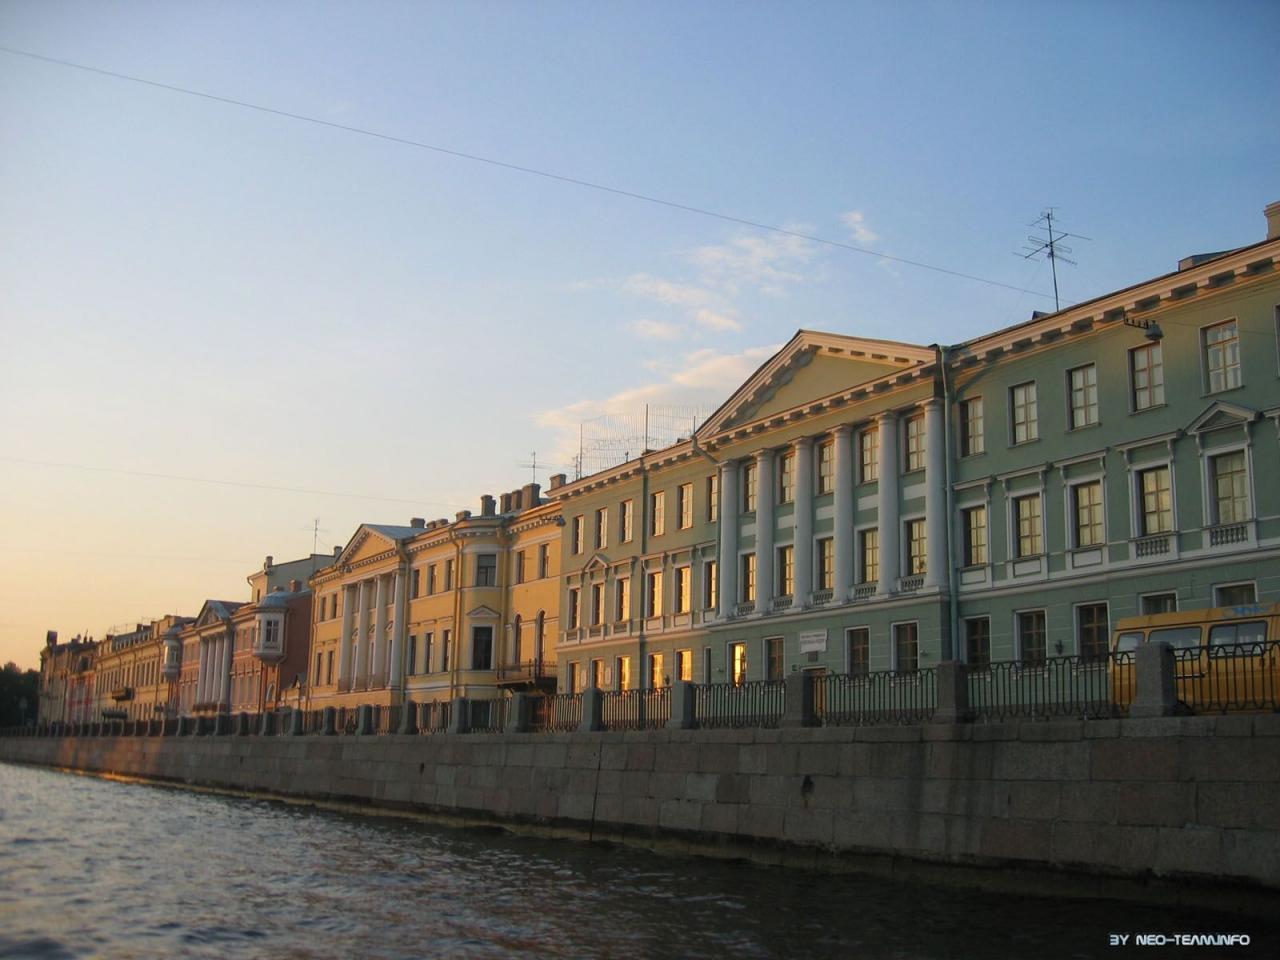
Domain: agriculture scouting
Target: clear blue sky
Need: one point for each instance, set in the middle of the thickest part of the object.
(196, 289)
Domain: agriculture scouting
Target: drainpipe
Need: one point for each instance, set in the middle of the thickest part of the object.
(953, 600)
(456, 654)
(643, 573)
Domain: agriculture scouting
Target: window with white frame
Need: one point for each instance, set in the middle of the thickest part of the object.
(597, 604)
(684, 506)
(916, 546)
(622, 599)
(626, 513)
(974, 527)
(1235, 594)
(1082, 383)
(574, 607)
(749, 487)
(826, 467)
(653, 594)
(602, 528)
(657, 513)
(869, 554)
(1222, 356)
(544, 561)
(906, 647)
(1022, 412)
(1093, 631)
(915, 442)
(1230, 487)
(710, 584)
(1086, 509)
(738, 663)
(787, 477)
(826, 563)
(786, 570)
(858, 643)
(748, 586)
(972, 441)
(684, 665)
(1146, 376)
(684, 589)
(977, 642)
(713, 498)
(1151, 603)
(773, 658)
(577, 535)
(1030, 538)
(869, 454)
(1157, 501)
(1032, 638)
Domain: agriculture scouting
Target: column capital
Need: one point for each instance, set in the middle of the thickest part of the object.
(886, 416)
(801, 443)
(843, 430)
(765, 455)
(930, 403)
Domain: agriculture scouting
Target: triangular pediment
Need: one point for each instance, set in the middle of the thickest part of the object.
(216, 611)
(483, 613)
(597, 562)
(1220, 415)
(811, 367)
(365, 543)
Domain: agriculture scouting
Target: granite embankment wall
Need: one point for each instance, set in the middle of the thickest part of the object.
(1191, 800)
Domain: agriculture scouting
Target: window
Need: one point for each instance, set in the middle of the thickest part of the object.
(486, 570)
(520, 564)
(786, 570)
(684, 587)
(602, 528)
(826, 467)
(622, 599)
(1158, 603)
(738, 663)
(622, 673)
(1093, 631)
(1022, 408)
(597, 673)
(1031, 638)
(1086, 506)
(1234, 594)
(773, 663)
(1238, 639)
(625, 512)
(858, 640)
(748, 487)
(446, 645)
(597, 604)
(653, 595)
(574, 608)
(916, 559)
(748, 577)
(1146, 376)
(915, 442)
(575, 677)
(413, 654)
(1083, 384)
(657, 675)
(431, 579)
(1222, 356)
(482, 648)
(1230, 489)
(415, 582)
(684, 665)
(576, 531)
(710, 584)
(448, 574)
(869, 454)
(1157, 501)
(906, 647)
(544, 561)
(977, 642)
(787, 478)
(971, 436)
(657, 513)
(428, 653)
(973, 523)
(328, 668)
(826, 563)
(713, 498)
(869, 553)
(684, 505)
(1029, 534)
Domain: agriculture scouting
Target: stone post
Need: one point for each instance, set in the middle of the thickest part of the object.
(953, 693)
(592, 711)
(364, 720)
(683, 703)
(520, 714)
(460, 716)
(295, 722)
(799, 710)
(330, 728)
(222, 724)
(1155, 690)
(268, 726)
(408, 718)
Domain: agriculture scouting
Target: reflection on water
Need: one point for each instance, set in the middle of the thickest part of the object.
(91, 867)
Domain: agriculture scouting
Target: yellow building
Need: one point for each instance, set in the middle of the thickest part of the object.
(131, 682)
(434, 611)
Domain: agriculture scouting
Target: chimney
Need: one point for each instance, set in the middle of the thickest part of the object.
(294, 585)
(529, 493)
(557, 480)
(266, 564)
(463, 515)
(337, 552)
(504, 502)
(1272, 212)
(516, 502)
(486, 506)
(418, 523)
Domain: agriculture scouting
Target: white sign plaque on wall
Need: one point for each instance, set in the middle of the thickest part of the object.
(813, 641)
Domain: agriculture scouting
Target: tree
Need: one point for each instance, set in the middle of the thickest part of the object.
(19, 694)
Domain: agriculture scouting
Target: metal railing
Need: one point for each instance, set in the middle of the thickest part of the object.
(1228, 533)
(488, 716)
(754, 703)
(385, 719)
(1226, 677)
(313, 721)
(635, 709)
(345, 720)
(882, 697)
(433, 717)
(561, 713)
(1052, 687)
(529, 671)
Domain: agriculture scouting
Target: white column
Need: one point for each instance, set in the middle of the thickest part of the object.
(206, 671)
(844, 513)
(362, 637)
(396, 670)
(888, 501)
(200, 673)
(727, 565)
(344, 651)
(378, 649)
(937, 568)
(764, 529)
(224, 671)
(802, 549)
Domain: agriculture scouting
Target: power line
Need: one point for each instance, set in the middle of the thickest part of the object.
(518, 168)
(214, 481)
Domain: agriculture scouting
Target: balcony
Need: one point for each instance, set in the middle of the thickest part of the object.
(745, 609)
(782, 603)
(910, 584)
(819, 597)
(530, 673)
(1152, 546)
(1226, 534)
(865, 591)
(122, 693)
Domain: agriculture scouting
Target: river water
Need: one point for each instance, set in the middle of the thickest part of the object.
(100, 868)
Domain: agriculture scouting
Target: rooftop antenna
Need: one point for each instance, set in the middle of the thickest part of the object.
(532, 464)
(1051, 246)
(316, 530)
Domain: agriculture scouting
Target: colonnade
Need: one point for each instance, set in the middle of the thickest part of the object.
(371, 655)
(213, 683)
(845, 564)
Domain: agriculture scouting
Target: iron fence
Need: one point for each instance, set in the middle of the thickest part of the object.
(1089, 687)
(345, 720)
(1229, 676)
(561, 713)
(636, 709)
(887, 696)
(433, 717)
(384, 719)
(754, 703)
(487, 716)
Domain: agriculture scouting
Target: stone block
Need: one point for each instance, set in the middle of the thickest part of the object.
(676, 758)
(1033, 800)
(1133, 759)
(1237, 805)
(733, 788)
(609, 808)
(701, 786)
(575, 806)
(808, 825)
(1052, 731)
(641, 811)
(583, 755)
(1252, 855)
(818, 759)
(613, 756)
(1189, 850)
(1207, 760)
(718, 758)
(720, 818)
(773, 791)
(1043, 761)
(666, 786)
(1016, 839)
(640, 756)
(1101, 729)
(1156, 804)
(679, 815)
(1089, 801)
(753, 758)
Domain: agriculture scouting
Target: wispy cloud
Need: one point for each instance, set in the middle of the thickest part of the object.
(655, 330)
(666, 291)
(861, 231)
(711, 320)
(767, 264)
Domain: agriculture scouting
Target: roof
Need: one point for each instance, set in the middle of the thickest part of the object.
(394, 532)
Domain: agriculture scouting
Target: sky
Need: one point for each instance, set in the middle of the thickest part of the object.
(220, 327)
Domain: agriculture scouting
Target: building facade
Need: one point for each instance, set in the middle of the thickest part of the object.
(67, 680)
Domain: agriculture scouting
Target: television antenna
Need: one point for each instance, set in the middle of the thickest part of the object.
(532, 465)
(1051, 246)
